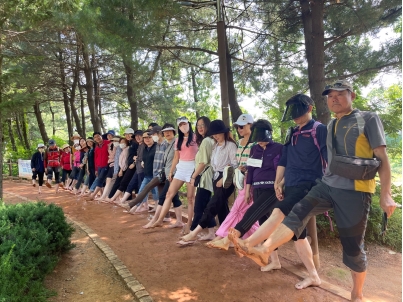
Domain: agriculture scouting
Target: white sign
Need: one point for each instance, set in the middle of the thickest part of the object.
(24, 168)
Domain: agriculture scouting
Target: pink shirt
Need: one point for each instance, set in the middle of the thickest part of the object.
(77, 160)
(187, 153)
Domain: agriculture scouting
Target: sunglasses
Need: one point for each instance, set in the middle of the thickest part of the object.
(335, 85)
(239, 127)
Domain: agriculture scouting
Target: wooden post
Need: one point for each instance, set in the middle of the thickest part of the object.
(10, 167)
(312, 232)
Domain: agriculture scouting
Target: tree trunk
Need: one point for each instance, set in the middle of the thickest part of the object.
(64, 91)
(41, 124)
(11, 135)
(312, 19)
(90, 89)
(18, 126)
(72, 99)
(130, 93)
(82, 111)
(194, 88)
(53, 120)
(24, 127)
(1, 117)
(233, 103)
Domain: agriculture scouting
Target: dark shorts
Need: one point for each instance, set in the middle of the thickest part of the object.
(56, 171)
(110, 172)
(351, 209)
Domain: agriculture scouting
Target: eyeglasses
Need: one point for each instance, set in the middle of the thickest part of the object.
(200, 126)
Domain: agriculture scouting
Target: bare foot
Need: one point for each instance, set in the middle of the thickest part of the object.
(157, 224)
(189, 237)
(207, 237)
(259, 255)
(355, 298)
(233, 235)
(149, 225)
(272, 266)
(310, 281)
(240, 247)
(178, 224)
(185, 229)
(222, 244)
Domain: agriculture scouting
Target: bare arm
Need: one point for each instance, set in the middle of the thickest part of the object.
(386, 202)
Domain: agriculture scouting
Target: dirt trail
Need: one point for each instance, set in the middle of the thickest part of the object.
(196, 273)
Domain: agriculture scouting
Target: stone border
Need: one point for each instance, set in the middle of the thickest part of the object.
(137, 289)
(132, 283)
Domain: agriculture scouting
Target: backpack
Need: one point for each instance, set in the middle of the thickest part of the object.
(312, 131)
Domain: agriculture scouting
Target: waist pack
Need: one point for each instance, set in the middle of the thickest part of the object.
(353, 167)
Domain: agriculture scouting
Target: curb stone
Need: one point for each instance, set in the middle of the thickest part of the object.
(137, 289)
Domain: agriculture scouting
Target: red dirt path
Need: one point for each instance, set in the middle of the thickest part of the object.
(196, 273)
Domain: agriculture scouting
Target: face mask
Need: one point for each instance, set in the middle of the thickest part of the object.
(116, 144)
(184, 128)
(78, 148)
(76, 141)
(155, 138)
(122, 146)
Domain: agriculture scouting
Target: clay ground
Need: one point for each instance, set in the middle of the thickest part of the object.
(196, 273)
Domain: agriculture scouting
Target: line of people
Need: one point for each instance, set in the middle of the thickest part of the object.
(279, 186)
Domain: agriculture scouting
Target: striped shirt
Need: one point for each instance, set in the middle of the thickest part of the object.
(159, 157)
(243, 152)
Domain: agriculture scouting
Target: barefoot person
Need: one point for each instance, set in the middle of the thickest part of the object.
(243, 125)
(52, 164)
(169, 132)
(184, 163)
(90, 167)
(38, 166)
(67, 164)
(223, 163)
(348, 191)
(83, 165)
(204, 172)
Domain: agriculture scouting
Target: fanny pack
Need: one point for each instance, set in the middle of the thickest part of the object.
(352, 167)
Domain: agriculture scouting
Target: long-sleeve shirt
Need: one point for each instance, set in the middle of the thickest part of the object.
(169, 156)
(301, 158)
(101, 155)
(265, 176)
(223, 156)
(148, 159)
(159, 157)
(140, 150)
(37, 162)
(123, 158)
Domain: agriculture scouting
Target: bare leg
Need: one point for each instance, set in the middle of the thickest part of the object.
(179, 223)
(154, 219)
(124, 198)
(209, 236)
(191, 205)
(274, 263)
(358, 284)
(266, 229)
(34, 183)
(94, 194)
(173, 189)
(305, 254)
(83, 189)
(107, 189)
(57, 188)
(260, 255)
(117, 194)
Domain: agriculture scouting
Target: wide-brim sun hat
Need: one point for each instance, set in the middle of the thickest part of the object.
(40, 146)
(91, 139)
(217, 127)
(65, 146)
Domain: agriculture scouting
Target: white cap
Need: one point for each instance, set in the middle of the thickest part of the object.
(168, 129)
(244, 119)
(182, 119)
(40, 146)
(129, 131)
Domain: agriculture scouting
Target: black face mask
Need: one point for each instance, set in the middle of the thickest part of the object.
(260, 135)
(294, 110)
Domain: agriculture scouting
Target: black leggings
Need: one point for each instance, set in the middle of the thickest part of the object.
(163, 194)
(203, 196)
(127, 177)
(218, 204)
(40, 177)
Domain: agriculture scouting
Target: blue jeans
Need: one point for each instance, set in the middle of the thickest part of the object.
(100, 180)
(154, 190)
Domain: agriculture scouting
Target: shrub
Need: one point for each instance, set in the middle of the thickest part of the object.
(32, 238)
(393, 237)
